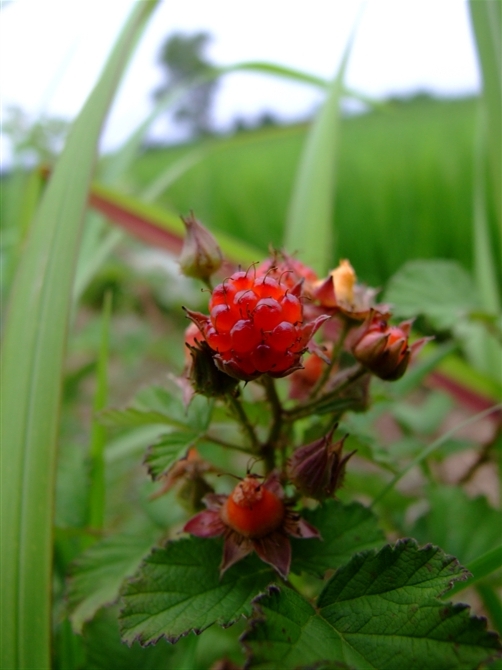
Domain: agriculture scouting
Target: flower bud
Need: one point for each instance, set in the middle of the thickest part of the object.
(317, 469)
(204, 376)
(200, 256)
(384, 349)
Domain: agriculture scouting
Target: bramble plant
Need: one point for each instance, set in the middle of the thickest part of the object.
(311, 576)
(287, 481)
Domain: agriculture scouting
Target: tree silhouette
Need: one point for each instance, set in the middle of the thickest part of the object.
(183, 60)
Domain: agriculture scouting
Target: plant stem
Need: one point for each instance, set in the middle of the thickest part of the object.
(269, 448)
(310, 407)
(243, 419)
(224, 443)
(334, 357)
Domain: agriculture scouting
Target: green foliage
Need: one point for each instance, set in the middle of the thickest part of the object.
(391, 596)
(178, 589)
(102, 643)
(168, 449)
(97, 574)
(345, 530)
(478, 532)
(440, 290)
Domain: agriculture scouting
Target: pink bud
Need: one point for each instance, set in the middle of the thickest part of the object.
(384, 349)
(200, 256)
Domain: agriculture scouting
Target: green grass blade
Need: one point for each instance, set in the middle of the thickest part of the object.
(33, 354)
(486, 20)
(309, 227)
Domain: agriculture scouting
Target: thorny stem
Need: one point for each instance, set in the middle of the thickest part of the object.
(268, 449)
(243, 419)
(334, 357)
(310, 407)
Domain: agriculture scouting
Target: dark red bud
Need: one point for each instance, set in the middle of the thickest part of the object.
(317, 469)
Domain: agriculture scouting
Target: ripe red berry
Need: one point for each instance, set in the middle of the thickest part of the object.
(256, 326)
(252, 510)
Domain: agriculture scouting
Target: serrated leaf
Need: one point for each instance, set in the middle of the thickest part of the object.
(98, 573)
(378, 612)
(345, 529)
(178, 589)
(155, 405)
(167, 450)
(478, 533)
(440, 290)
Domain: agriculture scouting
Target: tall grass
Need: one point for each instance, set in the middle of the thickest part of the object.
(404, 184)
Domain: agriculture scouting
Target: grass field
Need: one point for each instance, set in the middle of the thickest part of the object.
(404, 184)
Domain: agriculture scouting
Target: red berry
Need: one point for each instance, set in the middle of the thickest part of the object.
(252, 510)
(255, 326)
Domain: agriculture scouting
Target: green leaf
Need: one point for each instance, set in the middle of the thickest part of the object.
(168, 401)
(162, 455)
(345, 530)
(438, 289)
(478, 533)
(97, 574)
(380, 611)
(154, 405)
(178, 589)
(104, 649)
(33, 354)
(426, 417)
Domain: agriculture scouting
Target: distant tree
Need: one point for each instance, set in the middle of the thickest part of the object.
(182, 57)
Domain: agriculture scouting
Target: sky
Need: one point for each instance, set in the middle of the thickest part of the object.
(51, 53)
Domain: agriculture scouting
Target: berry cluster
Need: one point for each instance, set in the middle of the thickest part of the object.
(256, 326)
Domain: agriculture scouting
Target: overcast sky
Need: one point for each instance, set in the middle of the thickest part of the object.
(51, 52)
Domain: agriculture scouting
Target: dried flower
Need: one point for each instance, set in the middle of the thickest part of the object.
(317, 469)
(256, 326)
(200, 256)
(341, 293)
(254, 517)
(384, 349)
